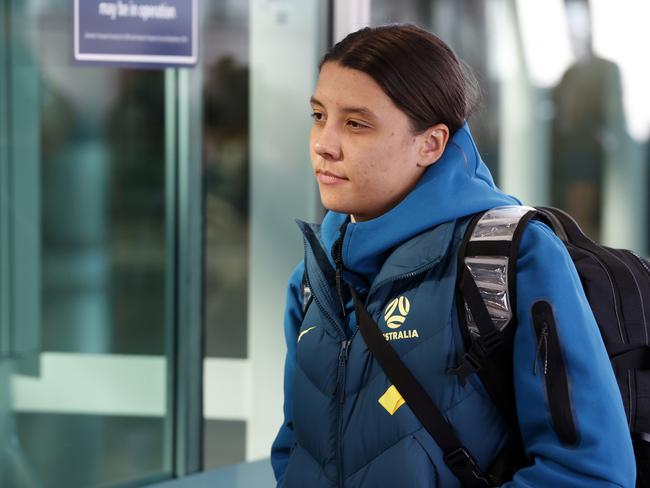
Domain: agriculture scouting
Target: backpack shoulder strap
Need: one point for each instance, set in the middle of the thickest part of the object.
(486, 299)
(486, 302)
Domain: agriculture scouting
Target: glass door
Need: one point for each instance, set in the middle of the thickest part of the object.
(89, 303)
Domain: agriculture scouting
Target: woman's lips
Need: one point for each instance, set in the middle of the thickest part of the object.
(328, 178)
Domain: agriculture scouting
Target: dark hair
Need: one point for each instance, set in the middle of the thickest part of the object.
(416, 69)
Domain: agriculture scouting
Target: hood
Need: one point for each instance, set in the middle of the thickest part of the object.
(459, 184)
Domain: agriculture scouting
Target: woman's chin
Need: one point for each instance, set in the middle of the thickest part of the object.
(334, 206)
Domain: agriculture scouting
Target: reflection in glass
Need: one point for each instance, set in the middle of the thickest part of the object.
(588, 117)
(225, 45)
(225, 135)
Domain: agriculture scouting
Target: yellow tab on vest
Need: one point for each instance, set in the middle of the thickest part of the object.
(391, 400)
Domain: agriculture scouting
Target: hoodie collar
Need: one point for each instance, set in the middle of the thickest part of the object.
(459, 184)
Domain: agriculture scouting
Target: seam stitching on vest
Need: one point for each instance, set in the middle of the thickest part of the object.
(303, 447)
(298, 366)
(313, 458)
(383, 451)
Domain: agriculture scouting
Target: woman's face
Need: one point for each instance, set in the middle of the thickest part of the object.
(364, 154)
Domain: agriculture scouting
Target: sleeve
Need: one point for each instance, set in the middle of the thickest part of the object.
(600, 454)
(281, 447)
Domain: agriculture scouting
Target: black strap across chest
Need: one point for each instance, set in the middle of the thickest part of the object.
(457, 458)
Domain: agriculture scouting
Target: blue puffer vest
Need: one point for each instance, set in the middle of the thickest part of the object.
(350, 427)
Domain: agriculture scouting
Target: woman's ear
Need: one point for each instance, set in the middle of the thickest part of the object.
(433, 144)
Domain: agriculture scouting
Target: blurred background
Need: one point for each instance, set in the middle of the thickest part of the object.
(146, 215)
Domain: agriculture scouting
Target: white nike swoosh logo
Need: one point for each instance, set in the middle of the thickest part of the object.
(305, 331)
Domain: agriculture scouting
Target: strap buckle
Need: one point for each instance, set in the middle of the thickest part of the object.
(463, 465)
(472, 361)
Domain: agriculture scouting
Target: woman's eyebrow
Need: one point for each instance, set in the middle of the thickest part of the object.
(314, 101)
(357, 110)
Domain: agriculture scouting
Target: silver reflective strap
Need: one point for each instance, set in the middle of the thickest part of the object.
(499, 224)
(490, 273)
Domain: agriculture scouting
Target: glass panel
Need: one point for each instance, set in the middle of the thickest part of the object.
(259, 58)
(91, 408)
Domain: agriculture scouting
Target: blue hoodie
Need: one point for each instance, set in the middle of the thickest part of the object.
(457, 186)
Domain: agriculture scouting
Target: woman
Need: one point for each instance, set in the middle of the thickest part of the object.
(401, 177)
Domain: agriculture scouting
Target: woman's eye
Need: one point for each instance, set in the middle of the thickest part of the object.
(356, 125)
(317, 116)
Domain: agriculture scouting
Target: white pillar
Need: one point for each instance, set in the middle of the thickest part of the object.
(350, 16)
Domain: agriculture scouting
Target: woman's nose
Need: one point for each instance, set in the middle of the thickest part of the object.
(327, 145)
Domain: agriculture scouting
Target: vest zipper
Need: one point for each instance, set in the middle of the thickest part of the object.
(343, 358)
(338, 261)
(343, 353)
(323, 309)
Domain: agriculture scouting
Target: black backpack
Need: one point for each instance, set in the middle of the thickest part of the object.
(617, 285)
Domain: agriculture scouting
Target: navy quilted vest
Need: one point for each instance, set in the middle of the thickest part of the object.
(351, 428)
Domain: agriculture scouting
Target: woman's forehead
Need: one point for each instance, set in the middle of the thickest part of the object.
(349, 90)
